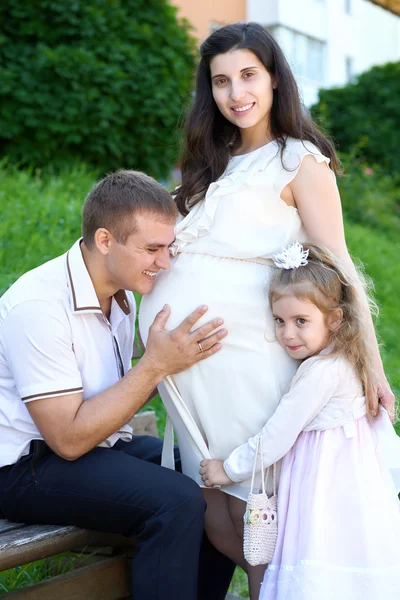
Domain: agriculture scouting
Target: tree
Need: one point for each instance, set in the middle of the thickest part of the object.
(102, 81)
(364, 117)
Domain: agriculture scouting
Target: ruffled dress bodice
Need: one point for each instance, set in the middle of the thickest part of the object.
(242, 215)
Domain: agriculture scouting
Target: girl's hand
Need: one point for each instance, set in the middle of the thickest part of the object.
(213, 474)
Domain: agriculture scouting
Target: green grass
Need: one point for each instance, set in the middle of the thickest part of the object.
(40, 219)
(45, 568)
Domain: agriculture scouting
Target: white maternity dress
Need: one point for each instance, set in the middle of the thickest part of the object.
(223, 253)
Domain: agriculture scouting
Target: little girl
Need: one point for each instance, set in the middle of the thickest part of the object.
(338, 511)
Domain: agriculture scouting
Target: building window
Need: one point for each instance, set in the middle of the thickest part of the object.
(349, 69)
(316, 52)
(305, 54)
(347, 7)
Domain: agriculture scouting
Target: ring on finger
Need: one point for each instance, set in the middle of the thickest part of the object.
(200, 347)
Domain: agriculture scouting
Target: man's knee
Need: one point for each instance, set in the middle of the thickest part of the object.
(187, 496)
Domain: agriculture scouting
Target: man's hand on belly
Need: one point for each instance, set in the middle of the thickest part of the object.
(170, 352)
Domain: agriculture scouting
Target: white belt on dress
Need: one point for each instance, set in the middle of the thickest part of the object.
(258, 260)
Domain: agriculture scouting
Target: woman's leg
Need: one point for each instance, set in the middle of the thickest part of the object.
(220, 529)
(255, 574)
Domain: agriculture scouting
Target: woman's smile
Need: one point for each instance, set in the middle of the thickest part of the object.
(244, 109)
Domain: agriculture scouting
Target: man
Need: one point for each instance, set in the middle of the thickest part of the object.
(67, 392)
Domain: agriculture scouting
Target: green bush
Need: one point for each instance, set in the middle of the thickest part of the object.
(370, 196)
(98, 80)
(364, 117)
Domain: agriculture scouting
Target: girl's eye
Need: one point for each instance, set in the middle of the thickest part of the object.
(301, 321)
(249, 74)
(220, 81)
(278, 321)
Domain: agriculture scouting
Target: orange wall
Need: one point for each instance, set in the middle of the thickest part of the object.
(202, 13)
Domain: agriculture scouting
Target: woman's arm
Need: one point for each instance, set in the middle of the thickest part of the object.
(317, 199)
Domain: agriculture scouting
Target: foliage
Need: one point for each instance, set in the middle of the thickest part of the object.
(29, 574)
(364, 117)
(98, 80)
(40, 217)
(370, 196)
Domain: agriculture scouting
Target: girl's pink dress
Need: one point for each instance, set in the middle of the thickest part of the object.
(339, 519)
(338, 510)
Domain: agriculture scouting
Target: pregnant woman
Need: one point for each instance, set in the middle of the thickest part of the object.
(257, 175)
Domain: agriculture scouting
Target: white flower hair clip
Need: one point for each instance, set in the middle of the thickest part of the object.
(292, 257)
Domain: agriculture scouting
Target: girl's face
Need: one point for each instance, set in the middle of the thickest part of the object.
(242, 89)
(300, 327)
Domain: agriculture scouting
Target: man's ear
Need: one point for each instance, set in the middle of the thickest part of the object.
(103, 239)
(335, 319)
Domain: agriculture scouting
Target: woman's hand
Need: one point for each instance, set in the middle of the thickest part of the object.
(213, 474)
(386, 396)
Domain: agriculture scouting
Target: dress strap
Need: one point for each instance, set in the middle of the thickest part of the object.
(167, 456)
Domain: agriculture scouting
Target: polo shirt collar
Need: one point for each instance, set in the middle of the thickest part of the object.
(83, 295)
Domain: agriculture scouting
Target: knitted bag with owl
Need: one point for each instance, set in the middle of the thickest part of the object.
(260, 518)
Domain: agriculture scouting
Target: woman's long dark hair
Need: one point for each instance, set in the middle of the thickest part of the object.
(208, 134)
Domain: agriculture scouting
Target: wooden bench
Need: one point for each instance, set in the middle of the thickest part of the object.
(104, 565)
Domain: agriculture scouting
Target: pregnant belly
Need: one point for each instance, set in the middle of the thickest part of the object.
(233, 289)
(235, 391)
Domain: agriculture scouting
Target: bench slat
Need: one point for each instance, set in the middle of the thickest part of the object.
(144, 423)
(9, 526)
(106, 579)
(26, 544)
(32, 542)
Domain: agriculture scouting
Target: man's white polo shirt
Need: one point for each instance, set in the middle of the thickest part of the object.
(54, 341)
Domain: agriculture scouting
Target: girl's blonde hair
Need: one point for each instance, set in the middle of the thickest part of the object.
(325, 282)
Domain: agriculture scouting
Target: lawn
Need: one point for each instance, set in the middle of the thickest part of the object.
(40, 219)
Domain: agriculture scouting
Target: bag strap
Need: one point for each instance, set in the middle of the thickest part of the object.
(274, 479)
(259, 450)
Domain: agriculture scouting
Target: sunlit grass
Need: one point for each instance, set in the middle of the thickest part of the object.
(29, 574)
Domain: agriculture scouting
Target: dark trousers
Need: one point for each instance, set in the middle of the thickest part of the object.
(124, 490)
